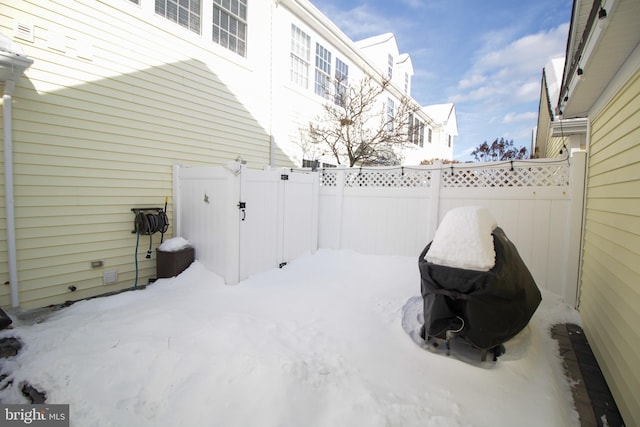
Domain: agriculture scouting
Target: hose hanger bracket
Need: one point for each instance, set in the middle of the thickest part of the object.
(149, 221)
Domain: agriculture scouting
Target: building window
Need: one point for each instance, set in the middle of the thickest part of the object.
(300, 51)
(410, 127)
(135, 1)
(390, 65)
(449, 138)
(416, 130)
(316, 164)
(390, 114)
(185, 13)
(230, 24)
(342, 81)
(406, 83)
(429, 136)
(323, 71)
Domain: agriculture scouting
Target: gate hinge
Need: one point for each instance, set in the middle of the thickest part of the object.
(284, 177)
(242, 205)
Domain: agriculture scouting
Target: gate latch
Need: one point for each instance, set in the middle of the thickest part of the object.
(242, 206)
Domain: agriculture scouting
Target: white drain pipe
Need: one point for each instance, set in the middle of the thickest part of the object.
(12, 64)
(8, 191)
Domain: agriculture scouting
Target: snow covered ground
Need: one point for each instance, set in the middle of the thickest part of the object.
(317, 343)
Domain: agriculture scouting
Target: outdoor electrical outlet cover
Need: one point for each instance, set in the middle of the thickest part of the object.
(109, 277)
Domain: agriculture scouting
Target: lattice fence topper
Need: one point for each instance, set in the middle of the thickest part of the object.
(507, 175)
(328, 178)
(401, 177)
(556, 175)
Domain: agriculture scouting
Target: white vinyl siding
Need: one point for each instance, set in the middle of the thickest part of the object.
(94, 138)
(610, 289)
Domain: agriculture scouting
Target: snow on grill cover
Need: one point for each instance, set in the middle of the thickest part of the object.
(494, 305)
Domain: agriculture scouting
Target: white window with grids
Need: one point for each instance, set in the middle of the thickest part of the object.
(416, 130)
(230, 25)
(323, 71)
(342, 81)
(390, 66)
(300, 56)
(185, 13)
(391, 112)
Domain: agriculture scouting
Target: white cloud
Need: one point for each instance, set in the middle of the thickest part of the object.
(519, 117)
(510, 71)
(527, 54)
(363, 21)
(471, 81)
(415, 4)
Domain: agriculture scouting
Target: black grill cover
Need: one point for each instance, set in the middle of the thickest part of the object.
(495, 305)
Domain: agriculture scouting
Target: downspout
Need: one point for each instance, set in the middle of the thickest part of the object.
(12, 64)
(8, 191)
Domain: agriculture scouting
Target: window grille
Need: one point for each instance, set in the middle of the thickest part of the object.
(419, 129)
(390, 114)
(300, 56)
(342, 81)
(185, 13)
(230, 25)
(323, 71)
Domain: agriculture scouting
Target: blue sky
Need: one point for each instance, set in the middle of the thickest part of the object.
(484, 56)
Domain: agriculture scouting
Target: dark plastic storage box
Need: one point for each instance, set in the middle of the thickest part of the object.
(170, 264)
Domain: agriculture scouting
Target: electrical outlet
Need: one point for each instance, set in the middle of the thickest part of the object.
(110, 277)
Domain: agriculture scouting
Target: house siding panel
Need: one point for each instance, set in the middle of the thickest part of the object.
(97, 128)
(610, 290)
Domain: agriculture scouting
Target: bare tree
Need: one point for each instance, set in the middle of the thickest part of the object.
(361, 125)
(500, 149)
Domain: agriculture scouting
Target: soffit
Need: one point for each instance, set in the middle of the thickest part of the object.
(618, 37)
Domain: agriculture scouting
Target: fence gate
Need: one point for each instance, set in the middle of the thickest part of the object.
(246, 221)
(278, 218)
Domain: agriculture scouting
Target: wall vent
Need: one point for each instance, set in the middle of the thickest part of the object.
(109, 277)
(23, 31)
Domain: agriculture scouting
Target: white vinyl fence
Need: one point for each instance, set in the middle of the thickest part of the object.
(386, 211)
(244, 221)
